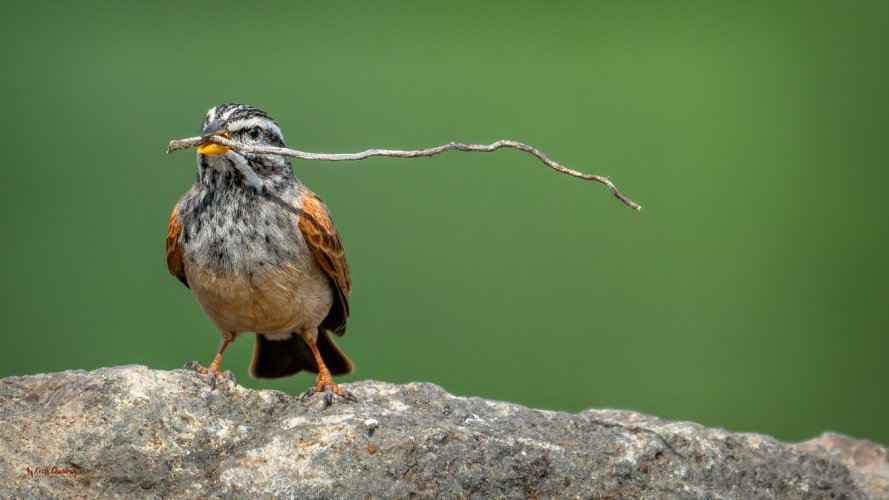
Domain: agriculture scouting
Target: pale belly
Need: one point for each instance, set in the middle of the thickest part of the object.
(291, 298)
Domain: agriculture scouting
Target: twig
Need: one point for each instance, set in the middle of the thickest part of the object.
(484, 148)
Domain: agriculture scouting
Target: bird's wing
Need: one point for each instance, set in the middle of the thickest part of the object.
(174, 251)
(323, 240)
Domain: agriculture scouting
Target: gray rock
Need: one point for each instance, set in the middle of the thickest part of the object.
(134, 431)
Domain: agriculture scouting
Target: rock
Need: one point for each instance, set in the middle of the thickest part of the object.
(133, 431)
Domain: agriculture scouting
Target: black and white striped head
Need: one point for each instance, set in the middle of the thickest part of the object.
(247, 125)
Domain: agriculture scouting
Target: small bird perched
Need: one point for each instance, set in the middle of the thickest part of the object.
(259, 252)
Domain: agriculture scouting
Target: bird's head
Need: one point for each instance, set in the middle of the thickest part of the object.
(247, 125)
(241, 123)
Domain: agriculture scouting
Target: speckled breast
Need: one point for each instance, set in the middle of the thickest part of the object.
(248, 264)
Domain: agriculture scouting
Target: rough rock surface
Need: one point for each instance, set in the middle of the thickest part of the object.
(134, 431)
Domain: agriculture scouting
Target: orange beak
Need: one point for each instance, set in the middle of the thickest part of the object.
(211, 148)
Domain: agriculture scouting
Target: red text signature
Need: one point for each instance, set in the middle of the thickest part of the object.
(50, 471)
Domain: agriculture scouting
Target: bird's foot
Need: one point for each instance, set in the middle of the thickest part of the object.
(327, 389)
(212, 373)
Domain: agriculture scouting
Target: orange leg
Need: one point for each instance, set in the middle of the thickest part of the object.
(324, 382)
(214, 366)
(212, 371)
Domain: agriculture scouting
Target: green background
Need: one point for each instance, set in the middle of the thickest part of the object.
(749, 293)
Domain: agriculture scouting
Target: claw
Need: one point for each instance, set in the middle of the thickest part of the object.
(327, 390)
(212, 373)
(324, 384)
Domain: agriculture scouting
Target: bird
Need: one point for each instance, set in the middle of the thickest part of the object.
(260, 253)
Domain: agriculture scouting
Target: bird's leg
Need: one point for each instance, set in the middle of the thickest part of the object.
(212, 371)
(324, 383)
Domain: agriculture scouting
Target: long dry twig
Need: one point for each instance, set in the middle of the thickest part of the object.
(459, 146)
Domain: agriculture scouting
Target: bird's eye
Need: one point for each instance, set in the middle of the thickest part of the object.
(254, 132)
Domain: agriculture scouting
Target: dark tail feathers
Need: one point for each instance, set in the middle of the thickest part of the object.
(280, 358)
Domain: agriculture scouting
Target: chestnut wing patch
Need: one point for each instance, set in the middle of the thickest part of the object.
(174, 251)
(322, 238)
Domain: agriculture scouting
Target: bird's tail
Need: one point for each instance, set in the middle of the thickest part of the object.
(280, 358)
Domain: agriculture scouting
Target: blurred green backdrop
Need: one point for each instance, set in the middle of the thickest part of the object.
(750, 292)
